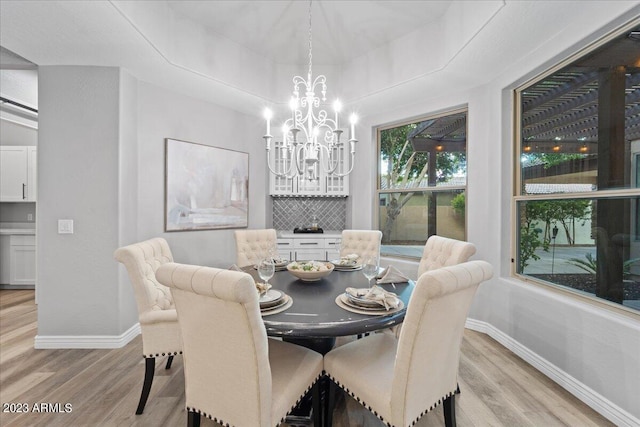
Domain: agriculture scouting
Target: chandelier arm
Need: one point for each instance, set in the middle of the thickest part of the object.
(340, 175)
(329, 169)
(286, 174)
(299, 166)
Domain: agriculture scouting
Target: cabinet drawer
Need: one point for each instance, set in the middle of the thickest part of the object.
(308, 243)
(310, 255)
(285, 244)
(22, 240)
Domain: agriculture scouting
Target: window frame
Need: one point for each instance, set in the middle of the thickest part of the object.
(378, 176)
(518, 197)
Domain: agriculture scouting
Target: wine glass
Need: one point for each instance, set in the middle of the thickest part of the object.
(266, 269)
(370, 265)
(337, 247)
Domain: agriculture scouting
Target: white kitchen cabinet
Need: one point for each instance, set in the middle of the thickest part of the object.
(308, 247)
(325, 185)
(22, 260)
(285, 249)
(18, 173)
(333, 248)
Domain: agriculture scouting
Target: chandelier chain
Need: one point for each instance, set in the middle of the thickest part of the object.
(310, 37)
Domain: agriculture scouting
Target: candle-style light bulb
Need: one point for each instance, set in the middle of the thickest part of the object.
(293, 104)
(268, 114)
(353, 119)
(337, 106)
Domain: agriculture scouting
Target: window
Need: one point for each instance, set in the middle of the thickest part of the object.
(578, 198)
(422, 177)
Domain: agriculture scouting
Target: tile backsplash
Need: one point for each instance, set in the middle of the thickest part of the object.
(291, 212)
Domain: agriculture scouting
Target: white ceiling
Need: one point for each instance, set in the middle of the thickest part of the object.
(342, 30)
(242, 54)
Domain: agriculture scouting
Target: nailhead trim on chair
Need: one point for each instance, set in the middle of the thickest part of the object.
(363, 403)
(204, 414)
(175, 353)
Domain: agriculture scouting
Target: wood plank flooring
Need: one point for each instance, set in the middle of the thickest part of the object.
(103, 386)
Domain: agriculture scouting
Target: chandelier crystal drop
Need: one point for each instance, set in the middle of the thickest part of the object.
(311, 139)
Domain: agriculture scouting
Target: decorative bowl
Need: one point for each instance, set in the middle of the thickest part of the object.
(310, 271)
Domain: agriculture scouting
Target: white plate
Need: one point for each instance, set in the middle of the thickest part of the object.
(279, 303)
(362, 302)
(347, 301)
(339, 267)
(270, 296)
(341, 263)
(279, 266)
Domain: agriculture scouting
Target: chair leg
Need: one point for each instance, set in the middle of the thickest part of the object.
(317, 404)
(330, 403)
(169, 360)
(450, 411)
(193, 419)
(149, 368)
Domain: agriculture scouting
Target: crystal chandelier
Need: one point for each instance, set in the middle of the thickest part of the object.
(310, 138)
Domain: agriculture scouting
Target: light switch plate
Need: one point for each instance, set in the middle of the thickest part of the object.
(65, 226)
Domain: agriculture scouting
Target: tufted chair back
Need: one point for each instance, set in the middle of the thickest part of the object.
(428, 353)
(442, 252)
(156, 311)
(401, 379)
(254, 245)
(234, 374)
(361, 242)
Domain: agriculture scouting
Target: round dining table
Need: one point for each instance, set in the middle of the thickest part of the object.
(315, 319)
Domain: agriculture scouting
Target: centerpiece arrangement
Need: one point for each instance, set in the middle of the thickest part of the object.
(310, 271)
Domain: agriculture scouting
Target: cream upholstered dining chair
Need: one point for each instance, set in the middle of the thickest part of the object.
(234, 374)
(401, 379)
(156, 312)
(442, 252)
(361, 242)
(254, 245)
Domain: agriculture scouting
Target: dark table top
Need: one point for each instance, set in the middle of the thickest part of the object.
(315, 314)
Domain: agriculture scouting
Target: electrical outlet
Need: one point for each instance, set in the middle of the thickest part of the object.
(29, 217)
(65, 226)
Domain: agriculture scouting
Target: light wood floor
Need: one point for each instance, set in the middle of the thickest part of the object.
(103, 386)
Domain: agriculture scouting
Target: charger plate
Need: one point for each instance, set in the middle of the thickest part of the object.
(343, 302)
(286, 303)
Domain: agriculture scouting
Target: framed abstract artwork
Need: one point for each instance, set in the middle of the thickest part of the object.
(206, 187)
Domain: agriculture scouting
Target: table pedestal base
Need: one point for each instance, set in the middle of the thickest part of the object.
(321, 345)
(302, 414)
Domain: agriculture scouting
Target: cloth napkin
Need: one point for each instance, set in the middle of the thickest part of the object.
(262, 288)
(350, 259)
(391, 275)
(235, 268)
(376, 294)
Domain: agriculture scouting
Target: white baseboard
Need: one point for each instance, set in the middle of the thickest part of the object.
(86, 341)
(597, 402)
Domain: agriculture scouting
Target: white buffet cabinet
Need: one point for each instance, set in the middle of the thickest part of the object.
(17, 254)
(309, 246)
(18, 173)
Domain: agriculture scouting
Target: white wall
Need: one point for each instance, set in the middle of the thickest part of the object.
(166, 114)
(78, 153)
(594, 350)
(101, 163)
